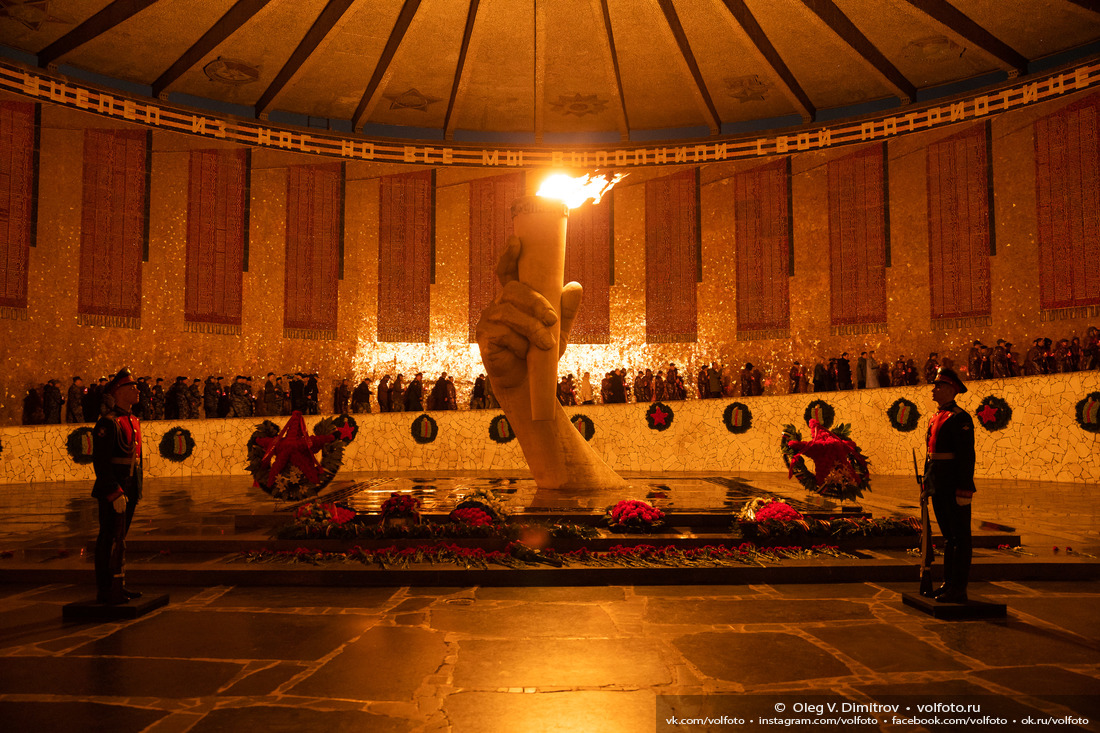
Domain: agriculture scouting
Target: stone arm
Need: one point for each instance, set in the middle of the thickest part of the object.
(515, 322)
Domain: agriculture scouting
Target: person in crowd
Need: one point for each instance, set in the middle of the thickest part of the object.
(437, 397)
(931, 367)
(312, 393)
(271, 399)
(949, 481)
(384, 393)
(159, 399)
(843, 372)
(74, 405)
(477, 394)
(861, 371)
(51, 402)
(33, 414)
(586, 389)
(702, 382)
(194, 399)
(714, 380)
(794, 378)
(342, 398)
(397, 394)
(240, 396)
(821, 375)
(414, 394)
(451, 402)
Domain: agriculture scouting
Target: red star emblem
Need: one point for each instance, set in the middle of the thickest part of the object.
(659, 416)
(987, 414)
(346, 431)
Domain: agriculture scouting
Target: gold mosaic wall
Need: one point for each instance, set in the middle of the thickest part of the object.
(50, 343)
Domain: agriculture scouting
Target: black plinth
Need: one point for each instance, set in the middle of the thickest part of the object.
(94, 611)
(973, 608)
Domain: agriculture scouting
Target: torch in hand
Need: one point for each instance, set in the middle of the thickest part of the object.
(540, 223)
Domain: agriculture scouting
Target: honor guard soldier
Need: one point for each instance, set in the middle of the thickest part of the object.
(116, 458)
(949, 478)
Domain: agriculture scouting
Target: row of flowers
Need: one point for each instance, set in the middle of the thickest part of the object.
(517, 555)
(480, 515)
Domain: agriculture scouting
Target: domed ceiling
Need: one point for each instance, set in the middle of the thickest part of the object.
(547, 70)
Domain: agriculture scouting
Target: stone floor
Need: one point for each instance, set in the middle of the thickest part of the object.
(604, 658)
(540, 659)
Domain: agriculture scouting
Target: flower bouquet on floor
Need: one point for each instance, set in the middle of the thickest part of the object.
(400, 510)
(317, 521)
(764, 516)
(484, 500)
(632, 515)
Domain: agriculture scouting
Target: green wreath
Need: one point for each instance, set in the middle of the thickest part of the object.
(835, 487)
(287, 486)
(345, 433)
(177, 444)
(584, 425)
(737, 418)
(993, 413)
(500, 430)
(1088, 413)
(79, 444)
(903, 415)
(825, 415)
(659, 416)
(424, 429)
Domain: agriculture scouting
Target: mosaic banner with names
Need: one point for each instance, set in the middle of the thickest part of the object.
(314, 228)
(17, 174)
(763, 243)
(490, 226)
(857, 237)
(588, 261)
(672, 242)
(405, 231)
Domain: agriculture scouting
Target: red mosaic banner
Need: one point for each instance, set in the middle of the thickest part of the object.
(313, 229)
(857, 238)
(763, 240)
(16, 200)
(216, 226)
(113, 223)
(1067, 188)
(958, 224)
(405, 230)
(588, 261)
(672, 257)
(490, 226)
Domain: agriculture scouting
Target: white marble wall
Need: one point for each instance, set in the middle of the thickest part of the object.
(1042, 441)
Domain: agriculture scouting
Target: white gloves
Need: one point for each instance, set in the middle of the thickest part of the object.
(962, 501)
(120, 504)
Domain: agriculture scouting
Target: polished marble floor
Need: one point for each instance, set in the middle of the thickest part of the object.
(604, 658)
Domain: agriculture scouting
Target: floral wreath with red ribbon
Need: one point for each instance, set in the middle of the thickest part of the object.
(821, 411)
(79, 445)
(737, 418)
(584, 425)
(659, 416)
(177, 444)
(424, 429)
(993, 413)
(903, 415)
(1088, 413)
(500, 430)
(282, 461)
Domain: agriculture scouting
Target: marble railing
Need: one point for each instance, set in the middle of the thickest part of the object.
(1041, 442)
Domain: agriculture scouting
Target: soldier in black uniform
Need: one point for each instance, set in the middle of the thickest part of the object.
(116, 458)
(949, 478)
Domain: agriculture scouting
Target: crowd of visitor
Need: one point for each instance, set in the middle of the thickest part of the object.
(191, 398)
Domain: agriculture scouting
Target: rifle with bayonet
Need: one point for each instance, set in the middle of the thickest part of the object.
(927, 553)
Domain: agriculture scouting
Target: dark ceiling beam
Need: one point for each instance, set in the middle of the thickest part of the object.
(1090, 5)
(325, 22)
(612, 56)
(792, 89)
(114, 14)
(947, 15)
(374, 86)
(707, 104)
(241, 12)
(839, 23)
(460, 80)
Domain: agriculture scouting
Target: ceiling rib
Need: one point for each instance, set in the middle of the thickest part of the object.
(241, 12)
(461, 80)
(839, 23)
(540, 70)
(328, 18)
(612, 55)
(702, 95)
(370, 96)
(791, 88)
(114, 14)
(959, 24)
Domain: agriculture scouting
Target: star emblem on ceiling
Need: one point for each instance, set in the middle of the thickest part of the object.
(579, 104)
(31, 13)
(411, 99)
(747, 88)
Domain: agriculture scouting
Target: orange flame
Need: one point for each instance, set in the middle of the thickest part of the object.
(575, 191)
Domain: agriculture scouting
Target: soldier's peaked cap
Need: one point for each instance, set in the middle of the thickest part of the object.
(124, 376)
(949, 376)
